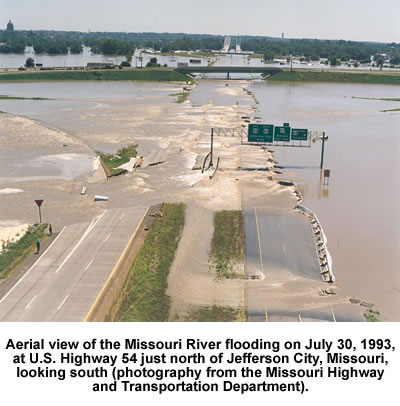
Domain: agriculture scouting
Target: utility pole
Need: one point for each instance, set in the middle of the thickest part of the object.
(322, 150)
(212, 144)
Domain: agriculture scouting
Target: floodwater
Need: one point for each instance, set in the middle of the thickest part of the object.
(359, 209)
(139, 59)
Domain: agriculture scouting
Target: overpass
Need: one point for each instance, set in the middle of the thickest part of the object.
(228, 69)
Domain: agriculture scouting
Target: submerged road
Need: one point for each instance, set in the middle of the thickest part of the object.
(282, 269)
(66, 279)
(279, 245)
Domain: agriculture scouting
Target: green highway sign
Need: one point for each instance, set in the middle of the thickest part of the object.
(299, 134)
(260, 133)
(282, 133)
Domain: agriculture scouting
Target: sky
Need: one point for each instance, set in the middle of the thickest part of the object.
(358, 20)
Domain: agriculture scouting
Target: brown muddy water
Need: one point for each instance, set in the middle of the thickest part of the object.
(358, 210)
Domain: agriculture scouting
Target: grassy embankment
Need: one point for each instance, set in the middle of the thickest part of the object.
(216, 313)
(143, 296)
(377, 98)
(180, 97)
(5, 97)
(162, 75)
(15, 252)
(372, 315)
(112, 161)
(394, 99)
(336, 77)
(227, 243)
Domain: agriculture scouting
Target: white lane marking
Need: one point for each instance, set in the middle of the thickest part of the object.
(88, 265)
(259, 240)
(279, 226)
(61, 305)
(30, 302)
(26, 273)
(89, 229)
(300, 319)
(122, 216)
(333, 315)
(109, 235)
(284, 248)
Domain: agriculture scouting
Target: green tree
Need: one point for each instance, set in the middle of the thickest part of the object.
(333, 60)
(29, 63)
(75, 47)
(395, 59)
(269, 56)
(378, 59)
(152, 63)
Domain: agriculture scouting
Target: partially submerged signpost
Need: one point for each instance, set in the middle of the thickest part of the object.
(327, 175)
(39, 203)
(271, 134)
(283, 136)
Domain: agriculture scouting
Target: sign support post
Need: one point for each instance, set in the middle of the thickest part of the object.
(212, 143)
(322, 150)
(39, 203)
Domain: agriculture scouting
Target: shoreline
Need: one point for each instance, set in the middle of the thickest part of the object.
(144, 74)
(335, 76)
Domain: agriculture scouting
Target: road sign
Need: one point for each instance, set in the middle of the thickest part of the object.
(282, 133)
(39, 203)
(299, 134)
(260, 133)
(327, 174)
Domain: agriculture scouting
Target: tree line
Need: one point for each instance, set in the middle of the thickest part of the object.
(313, 50)
(62, 42)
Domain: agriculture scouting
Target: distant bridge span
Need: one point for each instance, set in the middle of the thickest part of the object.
(227, 69)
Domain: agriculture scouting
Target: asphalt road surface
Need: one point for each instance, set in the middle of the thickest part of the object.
(282, 268)
(279, 245)
(64, 282)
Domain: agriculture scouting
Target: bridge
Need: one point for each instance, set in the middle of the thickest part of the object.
(227, 44)
(228, 69)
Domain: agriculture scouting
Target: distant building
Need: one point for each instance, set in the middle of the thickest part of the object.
(10, 26)
(283, 35)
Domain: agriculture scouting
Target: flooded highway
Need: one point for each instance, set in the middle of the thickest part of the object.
(358, 210)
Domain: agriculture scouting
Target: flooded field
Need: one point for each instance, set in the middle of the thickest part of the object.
(358, 211)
